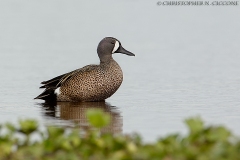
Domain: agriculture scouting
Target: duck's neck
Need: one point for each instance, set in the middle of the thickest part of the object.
(106, 58)
(109, 63)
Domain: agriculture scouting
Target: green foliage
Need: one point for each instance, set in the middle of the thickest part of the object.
(202, 143)
(27, 126)
(98, 118)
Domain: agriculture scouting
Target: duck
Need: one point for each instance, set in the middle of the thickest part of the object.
(89, 83)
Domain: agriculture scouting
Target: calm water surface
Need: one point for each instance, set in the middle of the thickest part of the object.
(186, 64)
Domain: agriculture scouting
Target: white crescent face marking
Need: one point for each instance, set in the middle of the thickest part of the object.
(57, 91)
(116, 46)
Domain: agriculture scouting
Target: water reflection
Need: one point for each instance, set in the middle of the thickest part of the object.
(74, 112)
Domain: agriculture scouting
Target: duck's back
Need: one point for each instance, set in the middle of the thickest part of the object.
(92, 83)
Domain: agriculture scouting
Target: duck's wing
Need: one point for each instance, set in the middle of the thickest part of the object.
(52, 84)
(59, 80)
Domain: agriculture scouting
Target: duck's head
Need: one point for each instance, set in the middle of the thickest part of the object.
(109, 46)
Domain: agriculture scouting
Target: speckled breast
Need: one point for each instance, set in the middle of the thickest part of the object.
(95, 84)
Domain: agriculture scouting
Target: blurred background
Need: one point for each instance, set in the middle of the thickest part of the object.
(186, 64)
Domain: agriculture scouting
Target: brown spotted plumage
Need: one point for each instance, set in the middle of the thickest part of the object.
(92, 82)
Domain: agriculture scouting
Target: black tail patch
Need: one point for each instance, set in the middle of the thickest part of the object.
(47, 95)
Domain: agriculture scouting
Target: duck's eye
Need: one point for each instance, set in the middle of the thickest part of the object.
(113, 42)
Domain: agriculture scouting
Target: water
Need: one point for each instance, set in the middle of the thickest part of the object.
(186, 64)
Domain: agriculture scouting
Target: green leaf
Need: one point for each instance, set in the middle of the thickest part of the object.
(54, 132)
(28, 126)
(98, 118)
(218, 134)
(194, 124)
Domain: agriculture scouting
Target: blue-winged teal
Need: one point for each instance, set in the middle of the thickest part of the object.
(92, 82)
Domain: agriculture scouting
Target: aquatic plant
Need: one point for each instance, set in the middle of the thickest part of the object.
(17, 142)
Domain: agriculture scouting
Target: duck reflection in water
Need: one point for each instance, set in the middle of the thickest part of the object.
(76, 112)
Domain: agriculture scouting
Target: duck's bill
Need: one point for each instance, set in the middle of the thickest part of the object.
(124, 51)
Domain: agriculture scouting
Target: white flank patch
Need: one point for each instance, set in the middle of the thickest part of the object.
(116, 46)
(57, 91)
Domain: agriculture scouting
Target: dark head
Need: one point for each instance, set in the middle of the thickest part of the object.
(109, 46)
